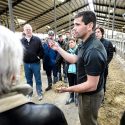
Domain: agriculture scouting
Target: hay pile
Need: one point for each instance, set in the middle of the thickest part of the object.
(114, 104)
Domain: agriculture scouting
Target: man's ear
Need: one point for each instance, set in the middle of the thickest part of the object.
(90, 26)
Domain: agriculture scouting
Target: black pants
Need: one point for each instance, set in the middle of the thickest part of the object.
(105, 78)
(52, 71)
(72, 81)
(60, 68)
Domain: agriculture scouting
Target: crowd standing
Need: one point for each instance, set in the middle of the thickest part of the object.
(85, 68)
(15, 108)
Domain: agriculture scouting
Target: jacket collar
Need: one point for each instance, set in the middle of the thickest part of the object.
(12, 100)
(87, 42)
(15, 97)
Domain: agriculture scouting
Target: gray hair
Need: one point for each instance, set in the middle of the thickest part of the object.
(11, 54)
(27, 26)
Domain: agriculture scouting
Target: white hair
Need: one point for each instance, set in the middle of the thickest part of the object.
(27, 26)
(11, 55)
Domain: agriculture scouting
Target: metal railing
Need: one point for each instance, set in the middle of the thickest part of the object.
(120, 47)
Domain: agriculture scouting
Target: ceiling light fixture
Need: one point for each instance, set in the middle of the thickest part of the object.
(111, 10)
(61, 1)
(123, 15)
(20, 21)
(48, 27)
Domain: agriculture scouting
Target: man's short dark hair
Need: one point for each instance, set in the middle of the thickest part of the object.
(73, 39)
(60, 35)
(87, 17)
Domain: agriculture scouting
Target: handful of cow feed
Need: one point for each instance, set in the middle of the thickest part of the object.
(59, 84)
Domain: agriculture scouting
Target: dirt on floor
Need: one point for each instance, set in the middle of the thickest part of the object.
(114, 103)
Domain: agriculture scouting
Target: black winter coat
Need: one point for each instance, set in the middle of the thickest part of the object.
(109, 49)
(33, 50)
(15, 109)
(33, 114)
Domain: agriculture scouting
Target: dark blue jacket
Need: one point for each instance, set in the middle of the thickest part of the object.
(50, 56)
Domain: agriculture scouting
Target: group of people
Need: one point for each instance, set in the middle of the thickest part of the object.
(52, 61)
(86, 63)
(15, 108)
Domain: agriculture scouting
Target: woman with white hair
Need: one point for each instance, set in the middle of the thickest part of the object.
(15, 108)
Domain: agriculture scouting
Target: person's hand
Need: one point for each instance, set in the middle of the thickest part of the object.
(54, 45)
(62, 89)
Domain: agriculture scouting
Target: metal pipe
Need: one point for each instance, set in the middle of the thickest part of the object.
(113, 18)
(7, 20)
(0, 22)
(55, 30)
(69, 16)
(12, 27)
(108, 17)
(35, 26)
